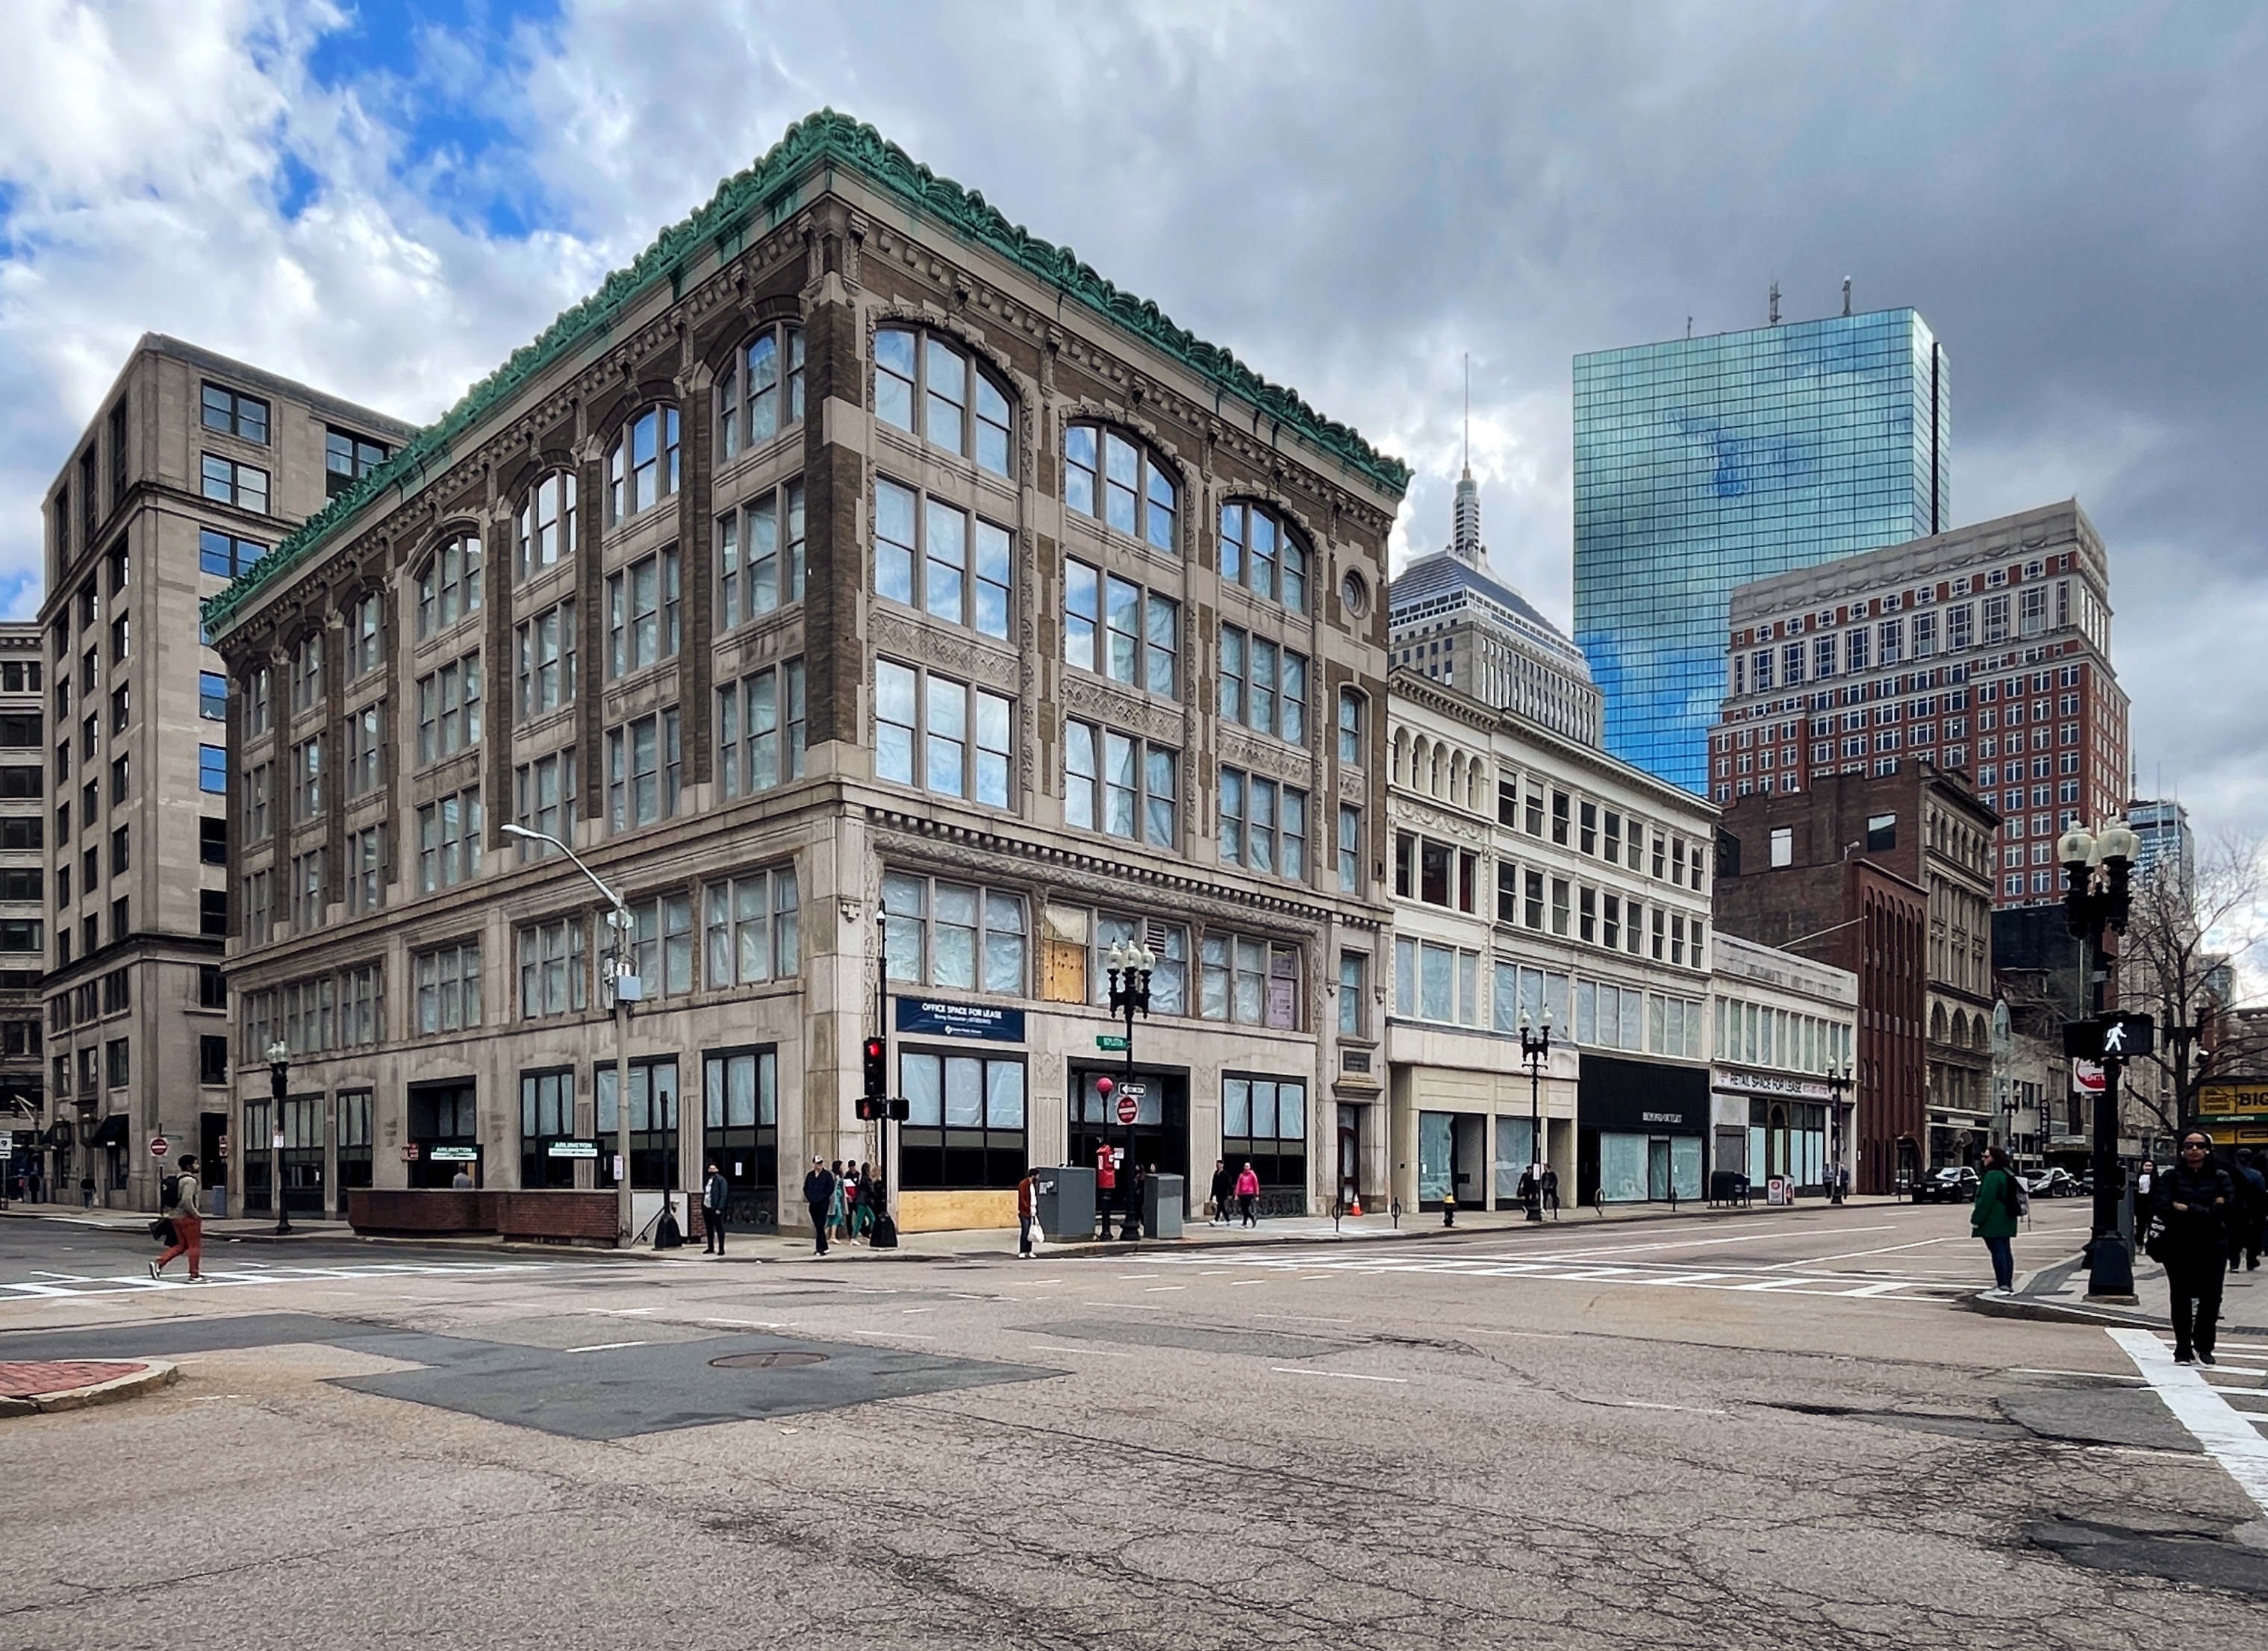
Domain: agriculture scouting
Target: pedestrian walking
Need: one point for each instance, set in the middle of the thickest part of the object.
(1552, 1191)
(2146, 1180)
(1993, 1217)
(2193, 1199)
(180, 1207)
(86, 1192)
(818, 1196)
(1223, 1188)
(850, 1202)
(2252, 1212)
(1247, 1195)
(1025, 1216)
(1106, 1184)
(873, 1199)
(835, 1202)
(715, 1192)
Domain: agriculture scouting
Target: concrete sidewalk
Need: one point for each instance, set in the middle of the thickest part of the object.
(972, 1244)
(2060, 1292)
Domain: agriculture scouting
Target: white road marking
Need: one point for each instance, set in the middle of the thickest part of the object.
(128, 1283)
(1306, 1318)
(1092, 1353)
(1344, 1375)
(2230, 1435)
(1152, 1289)
(608, 1347)
(1640, 1403)
(2092, 1376)
(1752, 1279)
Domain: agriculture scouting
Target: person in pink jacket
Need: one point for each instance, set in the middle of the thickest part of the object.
(1247, 1195)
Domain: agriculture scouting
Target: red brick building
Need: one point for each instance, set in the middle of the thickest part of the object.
(1985, 650)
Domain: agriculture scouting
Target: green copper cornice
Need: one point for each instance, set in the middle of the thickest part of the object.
(826, 138)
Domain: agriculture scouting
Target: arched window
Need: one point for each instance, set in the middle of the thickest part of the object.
(1107, 476)
(547, 523)
(925, 385)
(449, 586)
(641, 466)
(1265, 554)
(760, 393)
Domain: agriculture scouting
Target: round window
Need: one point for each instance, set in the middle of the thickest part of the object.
(1355, 593)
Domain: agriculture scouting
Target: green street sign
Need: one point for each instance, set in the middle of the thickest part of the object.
(1110, 1041)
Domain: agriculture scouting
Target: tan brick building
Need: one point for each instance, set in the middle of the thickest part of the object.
(853, 555)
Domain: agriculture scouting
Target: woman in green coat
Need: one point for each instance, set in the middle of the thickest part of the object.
(1993, 1217)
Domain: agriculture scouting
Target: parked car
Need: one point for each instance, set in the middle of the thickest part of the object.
(1954, 1185)
(2054, 1183)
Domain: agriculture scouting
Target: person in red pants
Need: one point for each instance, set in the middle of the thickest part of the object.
(188, 1225)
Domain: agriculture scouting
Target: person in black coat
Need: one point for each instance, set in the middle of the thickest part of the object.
(2195, 1200)
(1223, 1189)
(2245, 1234)
(819, 1194)
(715, 1194)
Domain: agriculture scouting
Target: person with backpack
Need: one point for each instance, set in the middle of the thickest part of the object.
(1994, 1216)
(178, 1205)
(2193, 1200)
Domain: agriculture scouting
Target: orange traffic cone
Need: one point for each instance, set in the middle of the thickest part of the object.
(1357, 1211)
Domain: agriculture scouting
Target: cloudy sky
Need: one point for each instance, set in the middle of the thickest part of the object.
(383, 197)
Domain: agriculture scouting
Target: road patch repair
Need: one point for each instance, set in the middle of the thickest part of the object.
(30, 1386)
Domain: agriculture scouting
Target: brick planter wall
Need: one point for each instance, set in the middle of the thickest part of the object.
(575, 1217)
(441, 1210)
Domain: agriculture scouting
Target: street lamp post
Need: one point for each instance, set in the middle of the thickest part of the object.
(1838, 1080)
(1535, 1051)
(279, 1082)
(618, 918)
(1131, 964)
(2096, 871)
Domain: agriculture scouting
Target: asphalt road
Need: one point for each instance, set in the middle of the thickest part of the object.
(1686, 1434)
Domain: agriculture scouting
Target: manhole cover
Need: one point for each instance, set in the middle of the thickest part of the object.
(776, 1359)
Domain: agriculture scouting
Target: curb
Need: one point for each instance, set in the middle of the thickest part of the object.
(141, 1374)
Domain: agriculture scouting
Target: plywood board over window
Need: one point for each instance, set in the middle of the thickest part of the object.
(1063, 955)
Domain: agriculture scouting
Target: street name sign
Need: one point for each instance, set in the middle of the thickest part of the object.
(1108, 1040)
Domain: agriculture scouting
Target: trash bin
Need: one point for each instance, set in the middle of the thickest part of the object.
(1162, 1200)
(1066, 1202)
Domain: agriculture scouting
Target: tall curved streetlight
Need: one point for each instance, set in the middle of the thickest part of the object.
(619, 978)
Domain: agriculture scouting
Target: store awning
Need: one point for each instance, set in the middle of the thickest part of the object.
(111, 1132)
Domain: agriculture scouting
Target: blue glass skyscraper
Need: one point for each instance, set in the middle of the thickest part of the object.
(1703, 463)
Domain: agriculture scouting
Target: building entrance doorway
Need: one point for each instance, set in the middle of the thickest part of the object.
(444, 1120)
(1350, 1185)
(1161, 1120)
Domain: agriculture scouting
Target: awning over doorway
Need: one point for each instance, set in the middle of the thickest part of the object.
(111, 1132)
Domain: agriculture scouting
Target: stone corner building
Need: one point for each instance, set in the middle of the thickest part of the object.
(852, 555)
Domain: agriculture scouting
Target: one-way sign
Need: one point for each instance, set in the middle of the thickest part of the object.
(2114, 1037)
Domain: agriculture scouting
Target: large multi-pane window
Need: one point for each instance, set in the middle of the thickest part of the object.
(751, 923)
(449, 841)
(643, 466)
(307, 780)
(547, 1114)
(347, 458)
(449, 709)
(544, 798)
(965, 1122)
(760, 392)
(449, 586)
(365, 869)
(953, 934)
(941, 734)
(1264, 554)
(662, 945)
(1350, 845)
(546, 526)
(546, 677)
(935, 556)
(553, 978)
(1264, 1122)
(310, 890)
(1115, 479)
(1264, 826)
(1351, 710)
(1250, 981)
(225, 554)
(924, 385)
(307, 672)
(365, 636)
(228, 482)
(643, 602)
(644, 770)
(1121, 784)
(760, 729)
(233, 413)
(1113, 626)
(1264, 685)
(365, 749)
(362, 1005)
(760, 555)
(448, 987)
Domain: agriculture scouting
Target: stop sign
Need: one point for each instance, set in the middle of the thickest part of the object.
(1129, 1108)
(159, 1146)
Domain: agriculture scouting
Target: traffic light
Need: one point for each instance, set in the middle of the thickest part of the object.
(878, 1068)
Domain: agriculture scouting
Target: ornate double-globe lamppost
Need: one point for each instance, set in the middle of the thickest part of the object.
(2097, 869)
(1839, 1080)
(1535, 1053)
(1131, 964)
